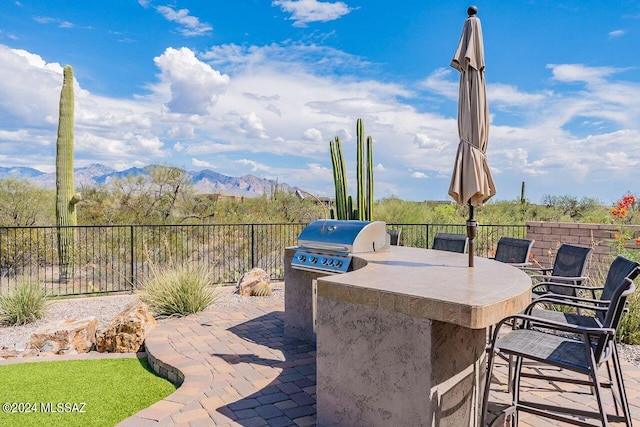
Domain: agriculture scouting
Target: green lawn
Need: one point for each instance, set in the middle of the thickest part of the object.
(99, 392)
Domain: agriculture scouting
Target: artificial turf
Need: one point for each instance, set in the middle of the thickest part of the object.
(98, 392)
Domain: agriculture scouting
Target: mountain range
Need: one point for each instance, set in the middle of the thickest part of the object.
(204, 181)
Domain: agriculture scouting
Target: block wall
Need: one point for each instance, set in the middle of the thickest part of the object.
(549, 235)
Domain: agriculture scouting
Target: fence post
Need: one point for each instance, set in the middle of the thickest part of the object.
(426, 233)
(253, 247)
(133, 275)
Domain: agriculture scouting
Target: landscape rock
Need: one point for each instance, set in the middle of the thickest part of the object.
(251, 279)
(127, 331)
(8, 354)
(65, 336)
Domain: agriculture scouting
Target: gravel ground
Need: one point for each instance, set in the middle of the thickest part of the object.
(107, 307)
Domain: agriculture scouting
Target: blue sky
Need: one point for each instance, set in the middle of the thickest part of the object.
(261, 87)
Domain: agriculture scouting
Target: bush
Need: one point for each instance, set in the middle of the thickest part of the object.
(178, 290)
(629, 328)
(624, 243)
(24, 304)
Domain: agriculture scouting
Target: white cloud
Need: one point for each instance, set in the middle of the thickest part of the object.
(288, 56)
(305, 11)
(48, 20)
(30, 88)
(44, 19)
(320, 172)
(252, 125)
(313, 134)
(580, 73)
(193, 85)
(616, 33)
(423, 141)
(519, 160)
(148, 144)
(600, 99)
(442, 82)
(107, 129)
(510, 96)
(419, 175)
(619, 160)
(445, 82)
(201, 163)
(253, 165)
(189, 25)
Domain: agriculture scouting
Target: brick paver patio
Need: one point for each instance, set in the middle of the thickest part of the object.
(238, 370)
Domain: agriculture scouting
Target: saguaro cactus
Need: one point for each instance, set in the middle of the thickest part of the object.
(364, 196)
(66, 198)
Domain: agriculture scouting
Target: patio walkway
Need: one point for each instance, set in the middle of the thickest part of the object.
(238, 370)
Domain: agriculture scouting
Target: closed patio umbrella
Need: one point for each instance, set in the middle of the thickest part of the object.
(471, 181)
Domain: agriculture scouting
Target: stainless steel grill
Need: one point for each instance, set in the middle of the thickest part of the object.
(328, 245)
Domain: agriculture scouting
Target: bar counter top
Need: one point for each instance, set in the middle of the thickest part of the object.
(430, 284)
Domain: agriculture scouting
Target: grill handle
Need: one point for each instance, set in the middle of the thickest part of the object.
(326, 247)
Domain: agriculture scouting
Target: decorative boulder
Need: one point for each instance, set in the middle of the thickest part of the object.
(65, 336)
(6, 353)
(250, 280)
(127, 331)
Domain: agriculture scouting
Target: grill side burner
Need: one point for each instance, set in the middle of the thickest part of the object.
(327, 245)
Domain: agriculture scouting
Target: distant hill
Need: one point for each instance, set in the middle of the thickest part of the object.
(19, 172)
(204, 181)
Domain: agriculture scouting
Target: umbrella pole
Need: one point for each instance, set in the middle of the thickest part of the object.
(472, 227)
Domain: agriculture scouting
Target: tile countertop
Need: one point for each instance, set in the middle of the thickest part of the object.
(434, 285)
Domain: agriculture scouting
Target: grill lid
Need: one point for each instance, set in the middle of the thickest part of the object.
(345, 236)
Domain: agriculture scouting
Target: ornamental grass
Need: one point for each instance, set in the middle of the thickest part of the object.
(24, 304)
(177, 291)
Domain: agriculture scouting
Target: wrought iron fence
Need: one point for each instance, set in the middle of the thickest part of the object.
(111, 259)
(421, 235)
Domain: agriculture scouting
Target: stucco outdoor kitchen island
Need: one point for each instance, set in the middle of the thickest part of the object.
(401, 338)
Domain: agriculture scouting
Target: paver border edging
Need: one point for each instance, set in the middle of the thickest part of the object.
(191, 376)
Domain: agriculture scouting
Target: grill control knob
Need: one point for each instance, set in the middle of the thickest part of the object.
(313, 260)
(324, 261)
(302, 258)
(338, 263)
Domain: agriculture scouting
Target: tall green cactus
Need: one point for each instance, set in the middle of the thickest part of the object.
(339, 178)
(66, 199)
(363, 210)
(360, 169)
(369, 207)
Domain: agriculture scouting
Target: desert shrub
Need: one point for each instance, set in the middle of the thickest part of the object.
(629, 328)
(178, 290)
(24, 304)
(625, 243)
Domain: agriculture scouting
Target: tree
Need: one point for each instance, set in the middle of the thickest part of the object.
(23, 204)
(569, 206)
(161, 197)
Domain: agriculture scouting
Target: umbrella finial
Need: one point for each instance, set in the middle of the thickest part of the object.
(472, 10)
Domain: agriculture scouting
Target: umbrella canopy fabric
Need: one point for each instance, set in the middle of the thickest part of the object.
(471, 181)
